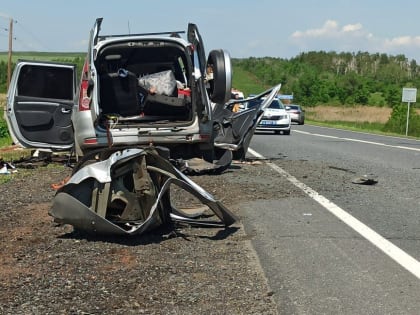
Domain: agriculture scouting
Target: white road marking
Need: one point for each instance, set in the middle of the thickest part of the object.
(358, 140)
(398, 255)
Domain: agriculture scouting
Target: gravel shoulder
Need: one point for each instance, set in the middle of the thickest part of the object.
(49, 269)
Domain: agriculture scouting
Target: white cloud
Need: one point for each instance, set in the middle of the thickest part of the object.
(402, 41)
(330, 29)
(352, 38)
(352, 27)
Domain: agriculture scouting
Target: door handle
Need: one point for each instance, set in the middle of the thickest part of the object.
(65, 111)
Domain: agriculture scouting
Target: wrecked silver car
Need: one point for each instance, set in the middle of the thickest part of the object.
(147, 109)
(131, 192)
(135, 89)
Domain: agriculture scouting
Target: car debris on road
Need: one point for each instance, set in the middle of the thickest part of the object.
(129, 193)
(367, 179)
(7, 168)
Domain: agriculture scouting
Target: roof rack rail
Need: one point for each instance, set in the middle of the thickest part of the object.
(102, 37)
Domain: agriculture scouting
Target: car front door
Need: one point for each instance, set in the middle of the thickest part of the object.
(194, 37)
(236, 129)
(39, 106)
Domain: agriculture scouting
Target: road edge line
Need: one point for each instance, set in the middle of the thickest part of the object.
(398, 255)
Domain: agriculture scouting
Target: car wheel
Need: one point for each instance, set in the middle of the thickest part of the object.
(277, 132)
(222, 83)
(286, 132)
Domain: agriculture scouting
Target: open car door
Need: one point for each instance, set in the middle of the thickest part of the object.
(234, 130)
(194, 37)
(39, 106)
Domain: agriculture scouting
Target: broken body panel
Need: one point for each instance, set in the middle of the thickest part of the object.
(130, 193)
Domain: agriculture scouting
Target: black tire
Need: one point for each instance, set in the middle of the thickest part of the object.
(222, 71)
(286, 132)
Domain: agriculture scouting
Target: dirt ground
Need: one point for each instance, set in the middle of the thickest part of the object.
(49, 269)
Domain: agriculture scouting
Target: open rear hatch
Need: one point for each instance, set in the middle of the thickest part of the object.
(144, 82)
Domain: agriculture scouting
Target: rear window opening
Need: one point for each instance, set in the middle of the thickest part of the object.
(144, 83)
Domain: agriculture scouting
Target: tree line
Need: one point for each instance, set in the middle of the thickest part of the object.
(336, 78)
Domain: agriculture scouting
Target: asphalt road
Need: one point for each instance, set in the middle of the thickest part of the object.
(341, 247)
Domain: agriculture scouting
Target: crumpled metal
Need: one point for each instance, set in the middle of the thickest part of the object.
(129, 193)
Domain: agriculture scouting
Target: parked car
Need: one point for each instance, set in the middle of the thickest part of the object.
(135, 89)
(296, 112)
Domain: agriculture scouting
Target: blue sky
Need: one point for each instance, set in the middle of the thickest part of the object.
(245, 28)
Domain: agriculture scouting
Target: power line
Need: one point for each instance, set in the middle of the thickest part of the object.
(40, 43)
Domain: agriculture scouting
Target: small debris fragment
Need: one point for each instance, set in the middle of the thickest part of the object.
(6, 168)
(368, 179)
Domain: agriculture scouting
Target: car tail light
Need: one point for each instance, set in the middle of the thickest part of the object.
(91, 141)
(84, 99)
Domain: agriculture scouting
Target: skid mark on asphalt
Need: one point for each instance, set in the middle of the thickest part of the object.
(394, 252)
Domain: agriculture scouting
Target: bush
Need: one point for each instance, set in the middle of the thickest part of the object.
(397, 123)
(4, 132)
(376, 99)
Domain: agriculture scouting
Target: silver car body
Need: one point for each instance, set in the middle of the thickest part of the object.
(297, 114)
(110, 105)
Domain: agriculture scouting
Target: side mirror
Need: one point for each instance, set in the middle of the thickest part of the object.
(221, 82)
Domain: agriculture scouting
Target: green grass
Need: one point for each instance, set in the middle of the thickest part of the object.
(4, 178)
(246, 82)
(45, 56)
(374, 128)
(15, 155)
(4, 142)
(20, 173)
(366, 126)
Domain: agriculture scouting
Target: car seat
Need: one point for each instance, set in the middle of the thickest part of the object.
(119, 93)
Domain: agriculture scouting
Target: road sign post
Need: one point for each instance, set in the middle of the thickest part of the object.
(409, 95)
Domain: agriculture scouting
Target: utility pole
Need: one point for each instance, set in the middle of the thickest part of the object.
(9, 63)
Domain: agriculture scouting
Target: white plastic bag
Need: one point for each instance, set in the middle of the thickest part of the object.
(160, 83)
